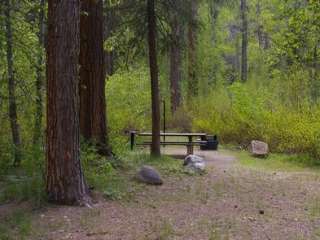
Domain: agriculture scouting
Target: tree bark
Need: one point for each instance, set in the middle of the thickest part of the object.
(65, 180)
(192, 83)
(175, 64)
(214, 13)
(259, 27)
(263, 38)
(40, 76)
(238, 58)
(93, 123)
(244, 47)
(155, 146)
(12, 87)
(109, 22)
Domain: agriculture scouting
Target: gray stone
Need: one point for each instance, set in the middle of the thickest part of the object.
(259, 149)
(149, 175)
(192, 159)
(194, 163)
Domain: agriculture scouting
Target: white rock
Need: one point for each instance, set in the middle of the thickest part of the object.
(192, 159)
(259, 149)
(194, 163)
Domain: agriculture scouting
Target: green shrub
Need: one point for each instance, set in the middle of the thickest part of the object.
(27, 182)
(128, 103)
(240, 114)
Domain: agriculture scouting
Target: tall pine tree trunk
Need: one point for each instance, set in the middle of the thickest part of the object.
(12, 87)
(155, 146)
(40, 76)
(92, 76)
(175, 64)
(65, 180)
(109, 22)
(244, 47)
(192, 78)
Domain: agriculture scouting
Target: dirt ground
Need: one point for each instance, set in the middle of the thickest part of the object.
(229, 202)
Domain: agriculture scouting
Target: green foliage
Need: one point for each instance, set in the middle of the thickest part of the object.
(16, 225)
(25, 183)
(278, 162)
(240, 114)
(101, 175)
(128, 100)
(278, 104)
(115, 178)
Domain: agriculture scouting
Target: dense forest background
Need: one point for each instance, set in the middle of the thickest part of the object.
(240, 69)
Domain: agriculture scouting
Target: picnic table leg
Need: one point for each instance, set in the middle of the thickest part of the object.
(190, 146)
(132, 138)
(189, 149)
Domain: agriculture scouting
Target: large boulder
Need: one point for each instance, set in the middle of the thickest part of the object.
(194, 163)
(259, 149)
(149, 175)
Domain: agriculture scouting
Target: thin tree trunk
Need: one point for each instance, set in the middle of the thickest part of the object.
(40, 76)
(263, 38)
(244, 47)
(155, 146)
(175, 64)
(315, 86)
(92, 76)
(12, 87)
(109, 62)
(65, 180)
(238, 58)
(259, 27)
(214, 13)
(192, 82)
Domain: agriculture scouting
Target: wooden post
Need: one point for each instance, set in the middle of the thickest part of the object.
(190, 146)
(164, 121)
(189, 149)
(132, 139)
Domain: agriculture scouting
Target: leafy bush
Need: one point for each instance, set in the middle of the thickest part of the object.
(240, 114)
(128, 103)
(25, 183)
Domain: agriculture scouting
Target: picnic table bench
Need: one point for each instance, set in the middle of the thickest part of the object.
(189, 143)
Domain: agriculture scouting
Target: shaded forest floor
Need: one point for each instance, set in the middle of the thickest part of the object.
(231, 201)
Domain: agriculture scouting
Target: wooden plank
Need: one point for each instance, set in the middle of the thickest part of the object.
(175, 134)
(176, 143)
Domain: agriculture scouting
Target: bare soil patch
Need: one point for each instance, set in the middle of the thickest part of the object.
(229, 202)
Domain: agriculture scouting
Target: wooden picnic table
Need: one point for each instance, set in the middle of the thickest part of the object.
(174, 134)
(190, 143)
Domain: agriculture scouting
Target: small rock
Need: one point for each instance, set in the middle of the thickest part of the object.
(149, 175)
(259, 149)
(194, 163)
(192, 159)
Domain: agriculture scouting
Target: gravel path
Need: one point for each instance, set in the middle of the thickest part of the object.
(229, 202)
